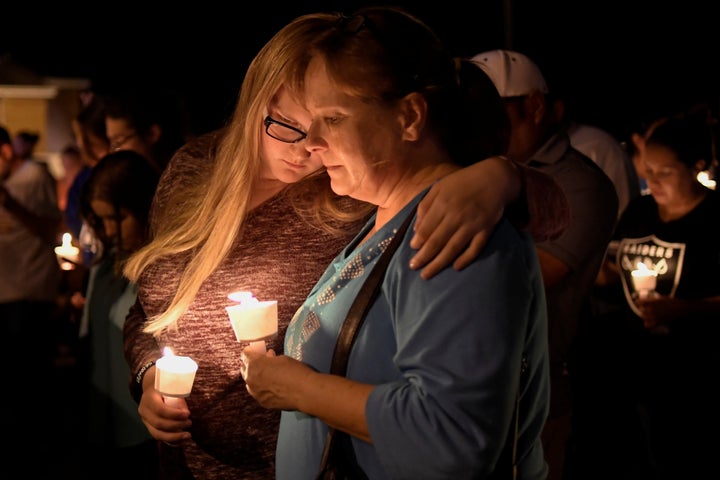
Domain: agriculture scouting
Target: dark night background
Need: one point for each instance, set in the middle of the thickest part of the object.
(616, 61)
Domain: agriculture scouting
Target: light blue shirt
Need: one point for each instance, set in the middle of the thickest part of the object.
(444, 354)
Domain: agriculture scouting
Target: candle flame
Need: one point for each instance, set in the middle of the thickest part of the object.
(168, 352)
(643, 271)
(243, 297)
(704, 178)
(66, 240)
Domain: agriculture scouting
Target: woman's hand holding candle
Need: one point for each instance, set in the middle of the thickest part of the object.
(174, 376)
(166, 423)
(278, 381)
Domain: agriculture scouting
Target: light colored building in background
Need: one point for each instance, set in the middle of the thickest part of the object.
(45, 105)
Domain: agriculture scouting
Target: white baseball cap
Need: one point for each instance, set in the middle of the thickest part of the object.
(513, 73)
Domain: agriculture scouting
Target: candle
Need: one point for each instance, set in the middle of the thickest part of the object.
(644, 280)
(67, 254)
(252, 320)
(704, 178)
(174, 375)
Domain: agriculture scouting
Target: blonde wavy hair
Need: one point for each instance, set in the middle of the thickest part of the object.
(206, 229)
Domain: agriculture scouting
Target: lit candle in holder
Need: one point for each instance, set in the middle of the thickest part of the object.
(704, 178)
(644, 280)
(252, 321)
(174, 376)
(67, 254)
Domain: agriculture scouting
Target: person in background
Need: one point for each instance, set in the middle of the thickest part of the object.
(153, 123)
(663, 343)
(29, 284)
(248, 208)
(24, 144)
(115, 203)
(635, 145)
(73, 279)
(605, 150)
(571, 262)
(89, 130)
(91, 138)
(639, 128)
(72, 164)
(442, 355)
(604, 305)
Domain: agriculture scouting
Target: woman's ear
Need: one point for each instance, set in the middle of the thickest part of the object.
(413, 111)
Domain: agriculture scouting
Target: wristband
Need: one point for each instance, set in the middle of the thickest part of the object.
(136, 389)
(141, 373)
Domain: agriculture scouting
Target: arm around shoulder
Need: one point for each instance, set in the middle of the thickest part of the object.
(459, 213)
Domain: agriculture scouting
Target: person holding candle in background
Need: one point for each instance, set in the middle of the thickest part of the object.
(29, 283)
(115, 203)
(88, 128)
(249, 208)
(663, 343)
(434, 373)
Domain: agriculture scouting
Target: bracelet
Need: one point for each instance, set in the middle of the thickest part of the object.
(141, 373)
(136, 389)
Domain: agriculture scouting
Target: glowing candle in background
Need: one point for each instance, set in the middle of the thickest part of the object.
(252, 321)
(704, 178)
(644, 280)
(174, 376)
(67, 254)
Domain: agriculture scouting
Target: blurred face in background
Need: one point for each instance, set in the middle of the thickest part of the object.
(92, 147)
(124, 136)
(120, 226)
(72, 163)
(670, 181)
(22, 148)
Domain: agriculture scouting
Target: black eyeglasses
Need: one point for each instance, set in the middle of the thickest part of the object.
(282, 131)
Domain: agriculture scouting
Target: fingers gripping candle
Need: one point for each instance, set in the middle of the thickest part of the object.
(253, 321)
(174, 376)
